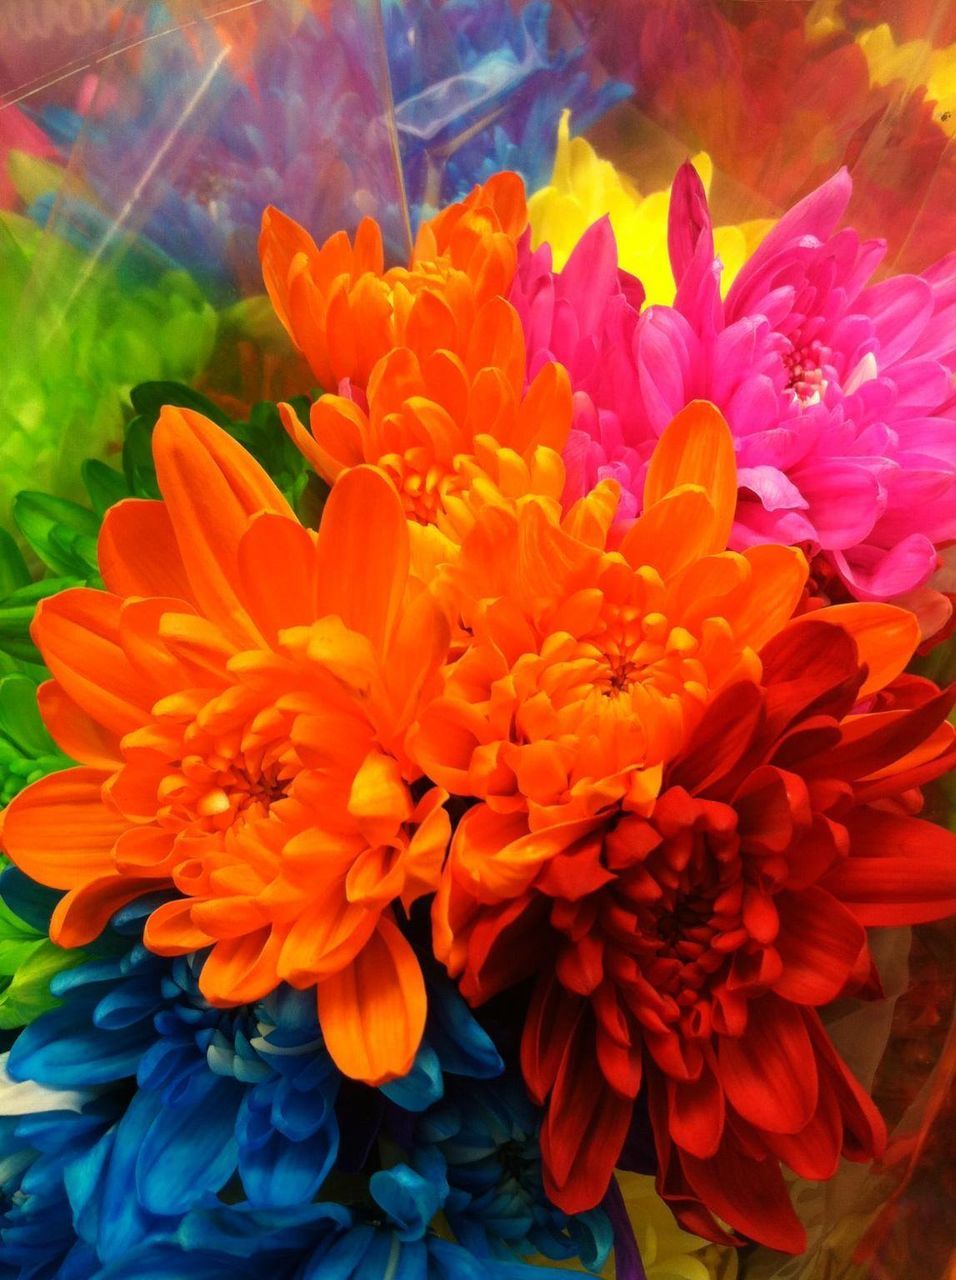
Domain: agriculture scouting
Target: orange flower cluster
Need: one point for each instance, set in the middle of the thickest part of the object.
(428, 361)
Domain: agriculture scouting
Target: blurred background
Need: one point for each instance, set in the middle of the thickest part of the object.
(140, 141)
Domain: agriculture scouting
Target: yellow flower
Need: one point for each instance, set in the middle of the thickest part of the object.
(916, 62)
(585, 187)
(669, 1253)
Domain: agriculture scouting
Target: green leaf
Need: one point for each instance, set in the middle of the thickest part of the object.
(28, 993)
(104, 484)
(13, 568)
(62, 533)
(150, 397)
(138, 459)
(20, 717)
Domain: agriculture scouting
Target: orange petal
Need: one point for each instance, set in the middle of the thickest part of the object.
(277, 571)
(764, 603)
(84, 913)
(74, 731)
(363, 554)
(373, 1012)
(241, 970)
(673, 533)
(170, 930)
(212, 487)
(280, 239)
(697, 448)
(77, 632)
(544, 415)
(886, 637)
(59, 832)
(138, 554)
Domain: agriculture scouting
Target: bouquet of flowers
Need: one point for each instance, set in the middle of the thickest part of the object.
(464, 813)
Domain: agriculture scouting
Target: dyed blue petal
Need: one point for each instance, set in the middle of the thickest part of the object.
(422, 1087)
(64, 1052)
(464, 1048)
(242, 1229)
(276, 1170)
(190, 1148)
(360, 1253)
(304, 1103)
(107, 1212)
(167, 1262)
(410, 1200)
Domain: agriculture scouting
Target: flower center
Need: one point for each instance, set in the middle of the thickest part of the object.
(418, 479)
(691, 913)
(804, 365)
(646, 650)
(218, 791)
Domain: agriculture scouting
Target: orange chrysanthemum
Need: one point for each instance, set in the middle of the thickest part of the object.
(429, 361)
(344, 311)
(588, 668)
(238, 698)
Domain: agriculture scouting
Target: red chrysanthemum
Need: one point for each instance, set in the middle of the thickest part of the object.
(689, 950)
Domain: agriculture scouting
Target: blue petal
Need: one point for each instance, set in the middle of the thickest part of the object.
(63, 1050)
(242, 1229)
(100, 1185)
(422, 1087)
(190, 1147)
(463, 1046)
(275, 1170)
(410, 1200)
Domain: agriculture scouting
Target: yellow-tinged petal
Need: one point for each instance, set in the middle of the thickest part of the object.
(673, 533)
(697, 448)
(363, 554)
(379, 799)
(211, 487)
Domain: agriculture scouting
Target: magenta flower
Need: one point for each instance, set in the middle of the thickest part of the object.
(839, 392)
(585, 318)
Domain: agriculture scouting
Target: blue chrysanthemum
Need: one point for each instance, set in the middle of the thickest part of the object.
(38, 1239)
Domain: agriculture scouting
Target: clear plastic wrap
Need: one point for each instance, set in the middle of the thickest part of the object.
(140, 141)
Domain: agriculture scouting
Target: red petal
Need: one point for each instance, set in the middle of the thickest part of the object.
(769, 1073)
(870, 743)
(749, 1194)
(819, 943)
(769, 804)
(583, 1131)
(814, 1152)
(900, 870)
(696, 1113)
(808, 670)
(729, 727)
(551, 1022)
(505, 945)
(621, 1065)
(864, 1133)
